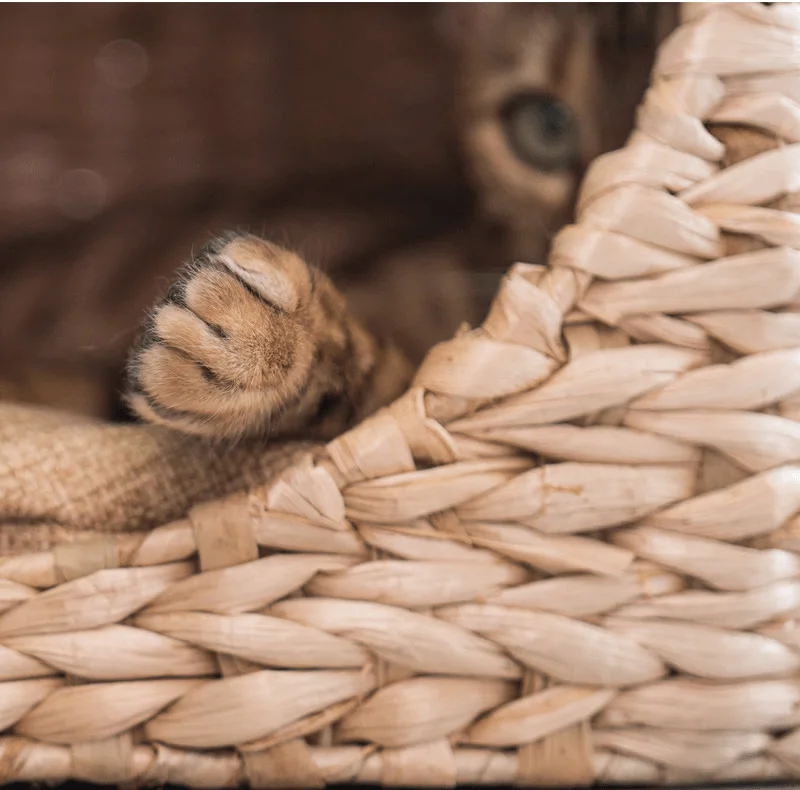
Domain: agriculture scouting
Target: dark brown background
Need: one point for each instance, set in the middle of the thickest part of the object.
(128, 133)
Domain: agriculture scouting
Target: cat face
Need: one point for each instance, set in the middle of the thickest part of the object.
(544, 89)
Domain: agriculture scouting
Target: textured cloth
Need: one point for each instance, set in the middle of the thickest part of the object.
(61, 470)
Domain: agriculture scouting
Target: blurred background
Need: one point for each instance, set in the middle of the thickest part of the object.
(396, 146)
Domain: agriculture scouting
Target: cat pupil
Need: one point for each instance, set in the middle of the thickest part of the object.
(554, 120)
(541, 131)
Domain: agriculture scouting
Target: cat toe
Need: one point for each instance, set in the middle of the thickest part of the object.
(278, 276)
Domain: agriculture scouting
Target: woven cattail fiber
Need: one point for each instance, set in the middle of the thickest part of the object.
(568, 555)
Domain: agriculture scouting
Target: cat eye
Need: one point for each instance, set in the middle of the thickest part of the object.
(542, 132)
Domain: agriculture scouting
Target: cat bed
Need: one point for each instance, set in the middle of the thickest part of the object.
(568, 555)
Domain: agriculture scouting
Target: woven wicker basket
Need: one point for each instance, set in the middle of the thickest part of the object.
(569, 554)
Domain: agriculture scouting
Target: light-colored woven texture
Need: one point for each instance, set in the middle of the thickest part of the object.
(569, 554)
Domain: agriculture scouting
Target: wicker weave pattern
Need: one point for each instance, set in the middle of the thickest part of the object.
(436, 606)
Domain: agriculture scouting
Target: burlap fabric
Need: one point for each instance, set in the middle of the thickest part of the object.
(64, 476)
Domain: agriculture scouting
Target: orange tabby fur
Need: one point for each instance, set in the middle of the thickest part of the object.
(250, 340)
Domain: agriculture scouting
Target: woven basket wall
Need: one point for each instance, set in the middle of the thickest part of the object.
(569, 554)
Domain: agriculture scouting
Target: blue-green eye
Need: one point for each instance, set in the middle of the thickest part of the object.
(542, 132)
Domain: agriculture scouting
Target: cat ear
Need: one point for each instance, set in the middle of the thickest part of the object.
(465, 26)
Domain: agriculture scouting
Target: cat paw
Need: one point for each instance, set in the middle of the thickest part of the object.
(251, 340)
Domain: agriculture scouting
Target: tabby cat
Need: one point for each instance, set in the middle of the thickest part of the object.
(251, 340)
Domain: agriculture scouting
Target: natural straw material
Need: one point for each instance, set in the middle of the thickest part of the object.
(569, 554)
